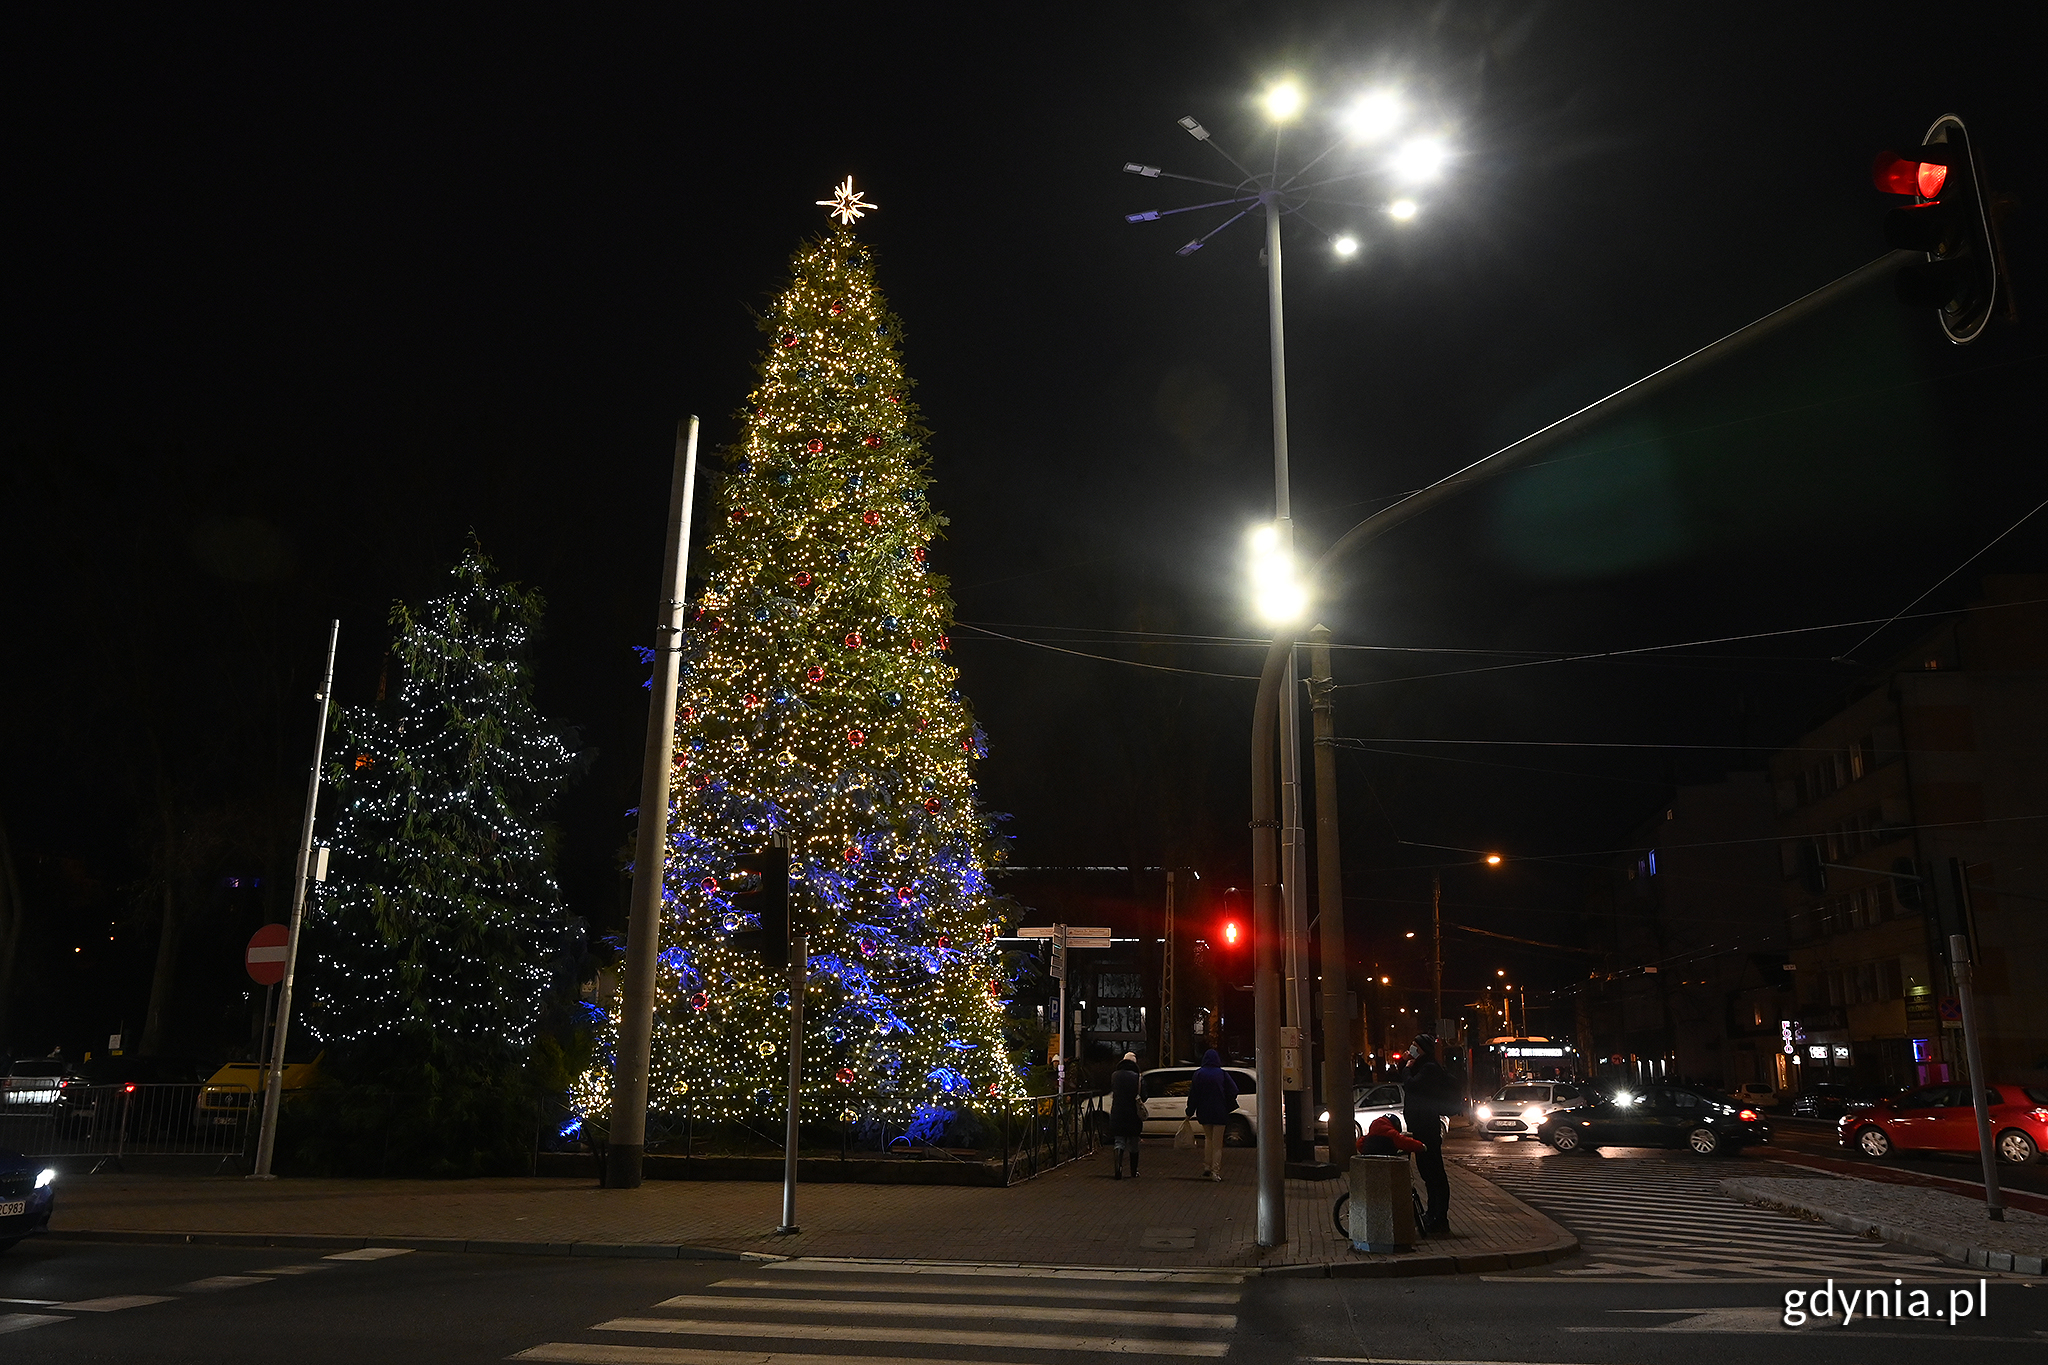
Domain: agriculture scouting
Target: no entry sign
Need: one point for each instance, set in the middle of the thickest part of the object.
(265, 958)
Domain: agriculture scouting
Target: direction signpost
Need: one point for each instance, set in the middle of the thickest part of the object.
(1064, 937)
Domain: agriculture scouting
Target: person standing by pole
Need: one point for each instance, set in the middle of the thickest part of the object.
(1428, 1097)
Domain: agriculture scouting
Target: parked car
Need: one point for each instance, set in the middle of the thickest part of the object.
(48, 1085)
(1943, 1118)
(1829, 1100)
(28, 1193)
(1698, 1117)
(1164, 1092)
(232, 1092)
(1517, 1110)
(1368, 1102)
(1757, 1094)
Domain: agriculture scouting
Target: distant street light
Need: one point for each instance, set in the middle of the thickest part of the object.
(1277, 594)
(1493, 860)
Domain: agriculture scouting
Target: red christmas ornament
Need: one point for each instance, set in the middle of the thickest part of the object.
(924, 723)
(845, 1075)
(701, 781)
(991, 1084)
(903, 894)
(932, 805)
(867, 947)
(789, 338)
(689, 713)
(967, 745)
(710, 884)
(814, 674)
(942, 642)
(837, 309)
(916, 644)
(871, 440)
(682, 760)
(816, 447)
(853, 639)
(852, 855)
(943, 942)
(802, 580)
(699, 1000)
(872, 518)
(750, 701)
(760, 412)
(918, 555)
(713, 623)
(995, 988)
(895, 398)
(855, 738)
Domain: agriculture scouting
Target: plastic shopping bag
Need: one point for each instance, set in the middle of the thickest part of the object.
(1186, 1136)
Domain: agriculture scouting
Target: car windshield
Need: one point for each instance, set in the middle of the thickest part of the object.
(39, 1068)
(1524, 1094)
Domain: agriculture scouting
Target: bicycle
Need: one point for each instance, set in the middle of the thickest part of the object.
(1340, 1211)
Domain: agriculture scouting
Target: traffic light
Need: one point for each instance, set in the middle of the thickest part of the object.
(761, 887)
(1231, 935)
(1953, 219)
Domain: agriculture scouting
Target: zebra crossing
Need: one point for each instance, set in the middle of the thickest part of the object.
(805, 1312)
(1666, 1220)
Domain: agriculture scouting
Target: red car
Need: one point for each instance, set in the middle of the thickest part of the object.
(1942, 1118)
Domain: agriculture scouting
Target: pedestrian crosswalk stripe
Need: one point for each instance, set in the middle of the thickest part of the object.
(580, 1353)
(113, 1303)
(1021, 1272)
(368, 1254)
(870, 1308)
(21, 1322)
(1007, 1291)
(919, 1336)
(1641, 1219)
(212, 1282)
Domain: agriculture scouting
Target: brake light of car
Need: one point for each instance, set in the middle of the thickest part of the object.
(1747, 1116)
(63, 1085)
(128, 1089)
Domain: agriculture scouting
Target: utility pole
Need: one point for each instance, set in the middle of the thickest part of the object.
(1973, 1046)
(273, 1083)
(799, 972)
(1166, 982)
(1330, 893)
(1436, 947)
(628, 1145)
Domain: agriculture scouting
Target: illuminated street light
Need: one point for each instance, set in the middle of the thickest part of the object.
(1275, 592)
(1401, 210)
(1373, 116)
(1346, 245)
(1409, 934)
(1420, 160)
(1493, 860)
(1500, 971)
(1283, 101)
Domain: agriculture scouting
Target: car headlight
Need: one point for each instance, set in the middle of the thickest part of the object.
(1484, 1112)
(1532, 1115)
(46, 1176)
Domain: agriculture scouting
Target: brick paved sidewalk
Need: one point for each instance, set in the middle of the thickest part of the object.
(1075, 1215)
(1949, 1225)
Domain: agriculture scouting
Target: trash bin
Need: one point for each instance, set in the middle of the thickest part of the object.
(1382, 1215)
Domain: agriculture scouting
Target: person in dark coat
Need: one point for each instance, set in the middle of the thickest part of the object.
(1212, 1099)
(1126, 1113)
(1429, 1096)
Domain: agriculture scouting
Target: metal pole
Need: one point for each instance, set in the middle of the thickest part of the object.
(273, 1085)
(1436, 947)
(1966, 992)
(1166, 982)
(1330, 901)
(1268, 916)
(1059, 941)
(799, 963)
(628, 1146)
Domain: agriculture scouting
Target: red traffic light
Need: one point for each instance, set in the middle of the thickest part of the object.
(1230, 932)
(1894, 174)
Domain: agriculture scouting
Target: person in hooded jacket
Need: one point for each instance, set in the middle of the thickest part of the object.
(1212, 1099)
(1126, 1114)
(1429, 1096)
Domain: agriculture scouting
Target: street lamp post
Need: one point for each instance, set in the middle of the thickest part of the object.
(1278, 194)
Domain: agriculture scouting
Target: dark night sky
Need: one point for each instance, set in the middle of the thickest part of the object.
(296, 302)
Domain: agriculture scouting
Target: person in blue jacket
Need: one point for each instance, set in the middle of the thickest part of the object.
(1212, 1099)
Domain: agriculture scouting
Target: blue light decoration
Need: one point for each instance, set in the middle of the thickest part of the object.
(867, 771)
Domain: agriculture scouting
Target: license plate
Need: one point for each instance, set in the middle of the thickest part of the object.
(13, 1208)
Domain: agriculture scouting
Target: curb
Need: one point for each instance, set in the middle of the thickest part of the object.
(658, 1251)
(1961, 1253)
(1477, 1263)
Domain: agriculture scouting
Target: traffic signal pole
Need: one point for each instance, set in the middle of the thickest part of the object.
(799, 970)
(628, 1145)
(1265, 823)
(1337, 1077)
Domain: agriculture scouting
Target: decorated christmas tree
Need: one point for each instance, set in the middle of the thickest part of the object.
(817, 704)
(431, 943)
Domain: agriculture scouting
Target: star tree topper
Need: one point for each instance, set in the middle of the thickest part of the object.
(846, 203)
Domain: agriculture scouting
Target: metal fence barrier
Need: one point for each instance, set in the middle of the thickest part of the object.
(111, 1122)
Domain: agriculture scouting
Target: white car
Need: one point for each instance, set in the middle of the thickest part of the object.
(1368, 1102)
(1519, 1109)
(1164, 1093)
(1757, 1095)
